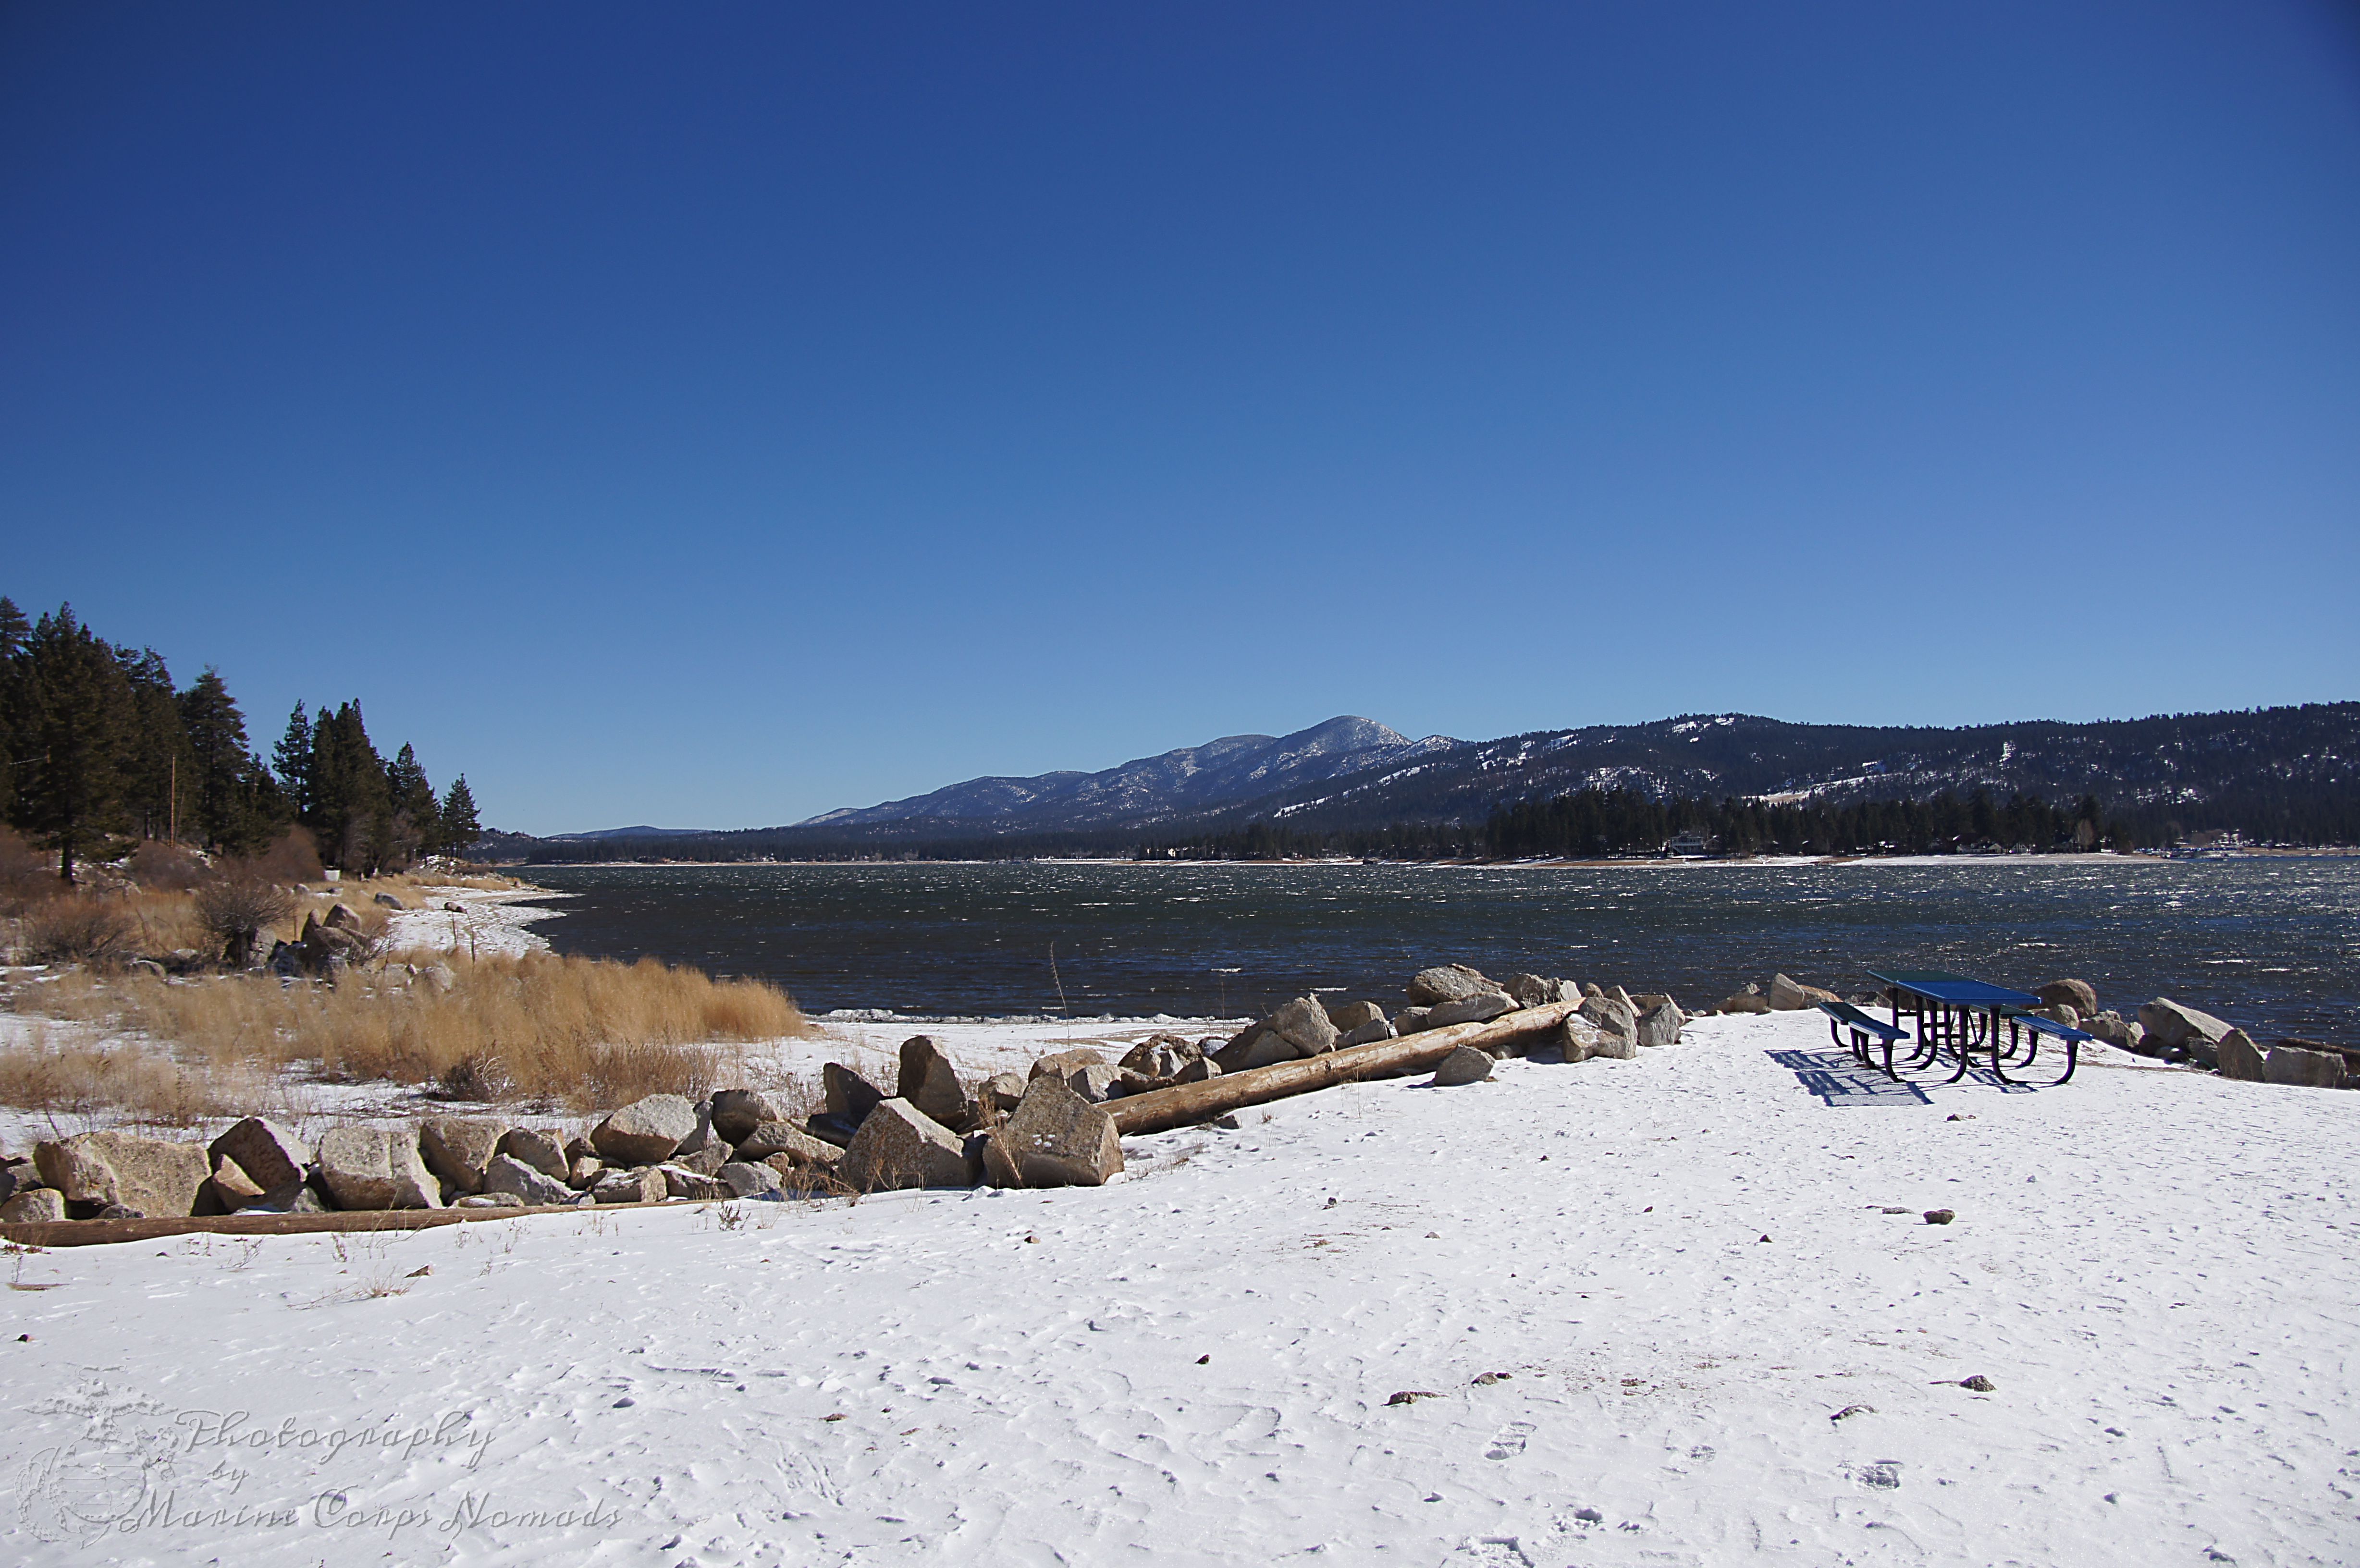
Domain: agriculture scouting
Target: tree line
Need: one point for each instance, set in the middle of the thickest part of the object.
(99, 750)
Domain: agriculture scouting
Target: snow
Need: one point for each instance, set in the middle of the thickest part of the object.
(1194, 1365)
(486, 924)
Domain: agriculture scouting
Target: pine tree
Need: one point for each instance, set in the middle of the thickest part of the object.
(158, 764)
(352, 814)
(15, 630)
(222, 786)
(292, 761)
(77, 739)
(460, 829)
(417, 820)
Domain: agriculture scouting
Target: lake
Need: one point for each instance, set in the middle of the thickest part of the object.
(2272, 944)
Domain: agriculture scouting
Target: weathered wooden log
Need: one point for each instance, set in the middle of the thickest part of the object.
(1185, 1103)
(97, 1233)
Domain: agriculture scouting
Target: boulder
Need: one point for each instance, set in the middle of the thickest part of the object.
(1161, 1056)
(390, 902)
(680, 1181)
(1471, 1009)
(803, 1180)
(1577, 1040)
(737, 1112)
(930, 1081)
(460, 1148)
(493, 1201)
(1611, 1016)
(645, 1131)
(17, 1174)
(1132, 1082)
(584, 1171)
(2169, 1027)
(1064, 1062)
(838, 1130)
(1661, 1023)
(1368, 1033)
(441, 976)
(1202, 1070)
(2313, 1069)
(645, 1185)
(745, 1180)
(783, 1138)
(899, 1146)
(528, 1184)
(848, 1094)
(1266, 1050)
(1744, 1002)
(1055, 1139)
(1446, 982)
(373, 1166)
(705, 1162)
(1790, 997)
(1531, 990)
(2059, 1013)
(701, 1139)
(161, 1179)
(229, 1190)
(266, 1151)
(340, 918)
(1304, 1024)
(1350, 1016)
(34, 1205)
(2241, 1058)
(2078, 994)
(1411, 1020)
(2110, 1028)
(1096, 1082)
(537, 1149)
(999, 1093)
(1465, 1065)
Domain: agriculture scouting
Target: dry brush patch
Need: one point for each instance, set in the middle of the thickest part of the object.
(582, 1033)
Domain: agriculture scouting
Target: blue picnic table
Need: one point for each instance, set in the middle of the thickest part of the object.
(1958, 1015)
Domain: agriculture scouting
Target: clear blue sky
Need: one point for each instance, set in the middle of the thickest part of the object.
(711, 415)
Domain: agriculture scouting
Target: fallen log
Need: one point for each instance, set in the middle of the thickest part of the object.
(1184, 1104)
(99, 1233)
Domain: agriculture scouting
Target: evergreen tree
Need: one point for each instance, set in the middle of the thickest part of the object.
(460, 829)
(224, 812)
(14, 631)
(352, 814)
(77, 739)
(158, 763)
(417, 819)
(292, 759)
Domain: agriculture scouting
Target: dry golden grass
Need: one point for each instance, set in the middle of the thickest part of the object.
(579, 1032)
(73, 1083)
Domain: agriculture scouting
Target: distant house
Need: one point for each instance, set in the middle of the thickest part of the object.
(1688, 846)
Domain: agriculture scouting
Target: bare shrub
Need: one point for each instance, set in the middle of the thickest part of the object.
(295, 857)
(26, 878)
(165, 868)
(237, 907)
(80, 928)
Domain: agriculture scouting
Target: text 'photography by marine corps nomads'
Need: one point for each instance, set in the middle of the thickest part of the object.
(1523, 787)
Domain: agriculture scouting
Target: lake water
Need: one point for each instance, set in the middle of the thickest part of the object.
(2271, 944)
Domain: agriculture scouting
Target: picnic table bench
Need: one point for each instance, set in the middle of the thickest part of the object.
(1958, 1015)
(1843, 1017)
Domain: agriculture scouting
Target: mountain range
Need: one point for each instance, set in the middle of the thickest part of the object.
(1352, 773)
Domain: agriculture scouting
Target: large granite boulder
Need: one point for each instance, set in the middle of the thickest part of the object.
(460, 1149)
(1161, 1056)
(745, 1181)
(1533, 990)
(1480, 1008)
(848, 1095)
(272, 1157)
(2114, 1028)
(1097, 1081)
(1611, 1015)
(1350, 1016)
(34, 1205)
(1793, 997)
(1661, 1022)
(1577, 1040)
(365, 1166)
(507, 1174)
(783, 1138)
(158, 1178)
(541, 1150)
(899, 1146)
(1304, 1024)
(1446, 982)
(645, 1185)
(2241, 1058)
(737, 1112)
(1412, 1020)
(645, 1131)
(930, 1081)
(1000, 1094)
(1368, 1033)
(2313, 1069)
(2174, 1029)
(1468, 1065)
(2078, 994)
(1056, 1140)
(1059, 1064)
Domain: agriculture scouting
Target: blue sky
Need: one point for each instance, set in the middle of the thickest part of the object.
(710, 416)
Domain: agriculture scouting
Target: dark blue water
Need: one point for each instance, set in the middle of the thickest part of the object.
(2270, 944)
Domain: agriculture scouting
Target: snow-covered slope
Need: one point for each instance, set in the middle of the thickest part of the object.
(1683, 1263)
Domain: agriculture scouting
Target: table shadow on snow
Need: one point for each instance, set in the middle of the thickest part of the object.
(1837, 1078)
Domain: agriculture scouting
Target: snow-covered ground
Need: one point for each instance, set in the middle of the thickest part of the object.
(1684, 1263)
(482, 925)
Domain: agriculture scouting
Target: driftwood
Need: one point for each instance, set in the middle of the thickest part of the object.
(97, 1233)
(1184, 1104)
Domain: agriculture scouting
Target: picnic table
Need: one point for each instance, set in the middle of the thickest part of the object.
(1958, 1015)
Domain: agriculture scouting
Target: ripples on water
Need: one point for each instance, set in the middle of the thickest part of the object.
(2272, 944)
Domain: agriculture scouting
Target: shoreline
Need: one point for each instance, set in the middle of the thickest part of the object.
(1760, 862)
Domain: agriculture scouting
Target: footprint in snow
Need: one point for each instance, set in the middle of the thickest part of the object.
(1510, 1441)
